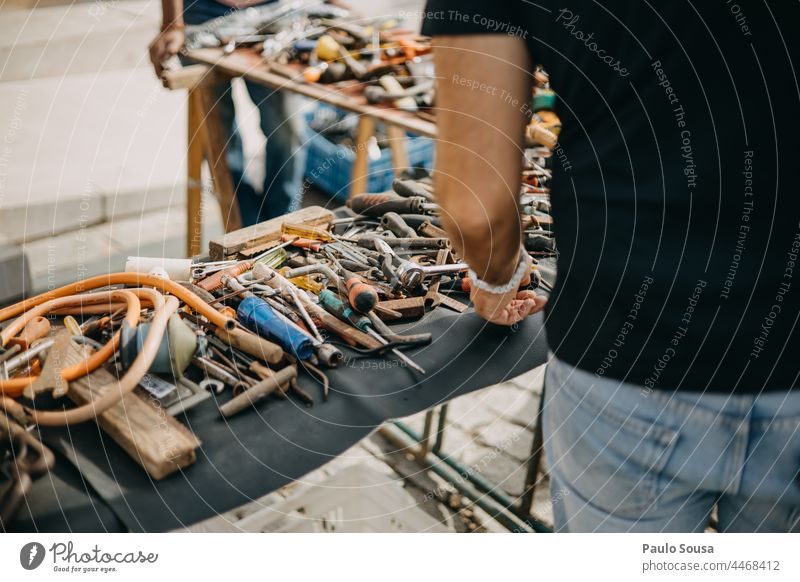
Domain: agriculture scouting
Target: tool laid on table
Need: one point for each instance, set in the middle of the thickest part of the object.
(242, 327)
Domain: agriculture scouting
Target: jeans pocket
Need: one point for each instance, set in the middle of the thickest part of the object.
(611, 457)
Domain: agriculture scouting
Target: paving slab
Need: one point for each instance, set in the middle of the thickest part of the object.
(103, 248)
(116, 137)
(69, 257)
(510, 439)
(500, 469)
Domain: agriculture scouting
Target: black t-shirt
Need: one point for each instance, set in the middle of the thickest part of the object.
(675, 198)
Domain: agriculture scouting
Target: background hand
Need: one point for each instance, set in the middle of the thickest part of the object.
(164, 46)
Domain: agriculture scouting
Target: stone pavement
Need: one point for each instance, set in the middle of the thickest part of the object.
(490, 431)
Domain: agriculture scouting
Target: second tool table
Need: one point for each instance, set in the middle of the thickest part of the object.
(205, 137)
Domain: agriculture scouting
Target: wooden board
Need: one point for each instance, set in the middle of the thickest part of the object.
(151, 437)
(259, 234)
(249, 64)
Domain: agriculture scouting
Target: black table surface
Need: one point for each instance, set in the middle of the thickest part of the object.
(96, 486)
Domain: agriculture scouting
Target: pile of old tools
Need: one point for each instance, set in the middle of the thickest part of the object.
(278, 23)
(541, 139)
(319, 43)
(389, 64)
(133, 349)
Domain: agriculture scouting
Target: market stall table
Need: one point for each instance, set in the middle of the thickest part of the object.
(96, 486)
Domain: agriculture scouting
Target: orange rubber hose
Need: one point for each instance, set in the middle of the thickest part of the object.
(139, 279)
(16, 386)
(113, 393)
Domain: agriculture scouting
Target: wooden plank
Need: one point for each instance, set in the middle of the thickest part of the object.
(186, 77)
(264, 232)
(248, 64)
(216, 142)
(151, 437)
(359, 178)
(194, 179)
(398, 140)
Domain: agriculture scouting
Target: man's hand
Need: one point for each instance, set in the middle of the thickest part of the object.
(506, 309)
(164, 46)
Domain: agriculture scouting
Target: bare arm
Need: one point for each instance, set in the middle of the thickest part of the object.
(483, 85)
(170, 40)
(171, 13)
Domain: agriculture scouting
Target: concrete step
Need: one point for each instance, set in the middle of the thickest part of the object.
(103, 248)
(85, 149)
(77, 38)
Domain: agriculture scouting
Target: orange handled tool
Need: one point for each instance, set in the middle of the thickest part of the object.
(214, 282)
(362, 296)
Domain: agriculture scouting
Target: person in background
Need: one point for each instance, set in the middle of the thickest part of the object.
(672, 388)
(280, 121)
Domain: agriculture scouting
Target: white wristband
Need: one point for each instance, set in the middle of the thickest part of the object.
(522, 269)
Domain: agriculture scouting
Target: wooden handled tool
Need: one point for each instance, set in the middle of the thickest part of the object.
(277, 381)
(251, 344)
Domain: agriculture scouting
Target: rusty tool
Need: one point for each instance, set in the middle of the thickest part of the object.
(336, 307)
(395, 223)
(214, 282)
(407, 243)
(410, 275)
(362, 296)
(400, 355)
(411, 307)
(433, 297)
(251, 344)
(214, 370)
(36, 329)
(276, 381)
(23, 459)
(430, 230)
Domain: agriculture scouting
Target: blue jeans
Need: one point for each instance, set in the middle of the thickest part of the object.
(623, 458)
(282, 124)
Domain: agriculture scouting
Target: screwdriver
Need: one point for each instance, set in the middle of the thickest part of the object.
(214, 282)
(362, 296)
(336, 306)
